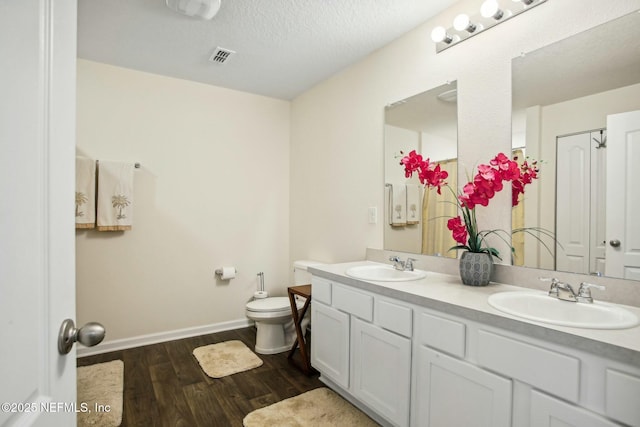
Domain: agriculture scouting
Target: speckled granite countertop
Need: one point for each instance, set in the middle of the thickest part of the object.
(447, 294)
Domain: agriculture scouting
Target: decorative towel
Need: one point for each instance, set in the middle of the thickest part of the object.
(413, 204)
(115, 196)
(85, 192)
(398, 205)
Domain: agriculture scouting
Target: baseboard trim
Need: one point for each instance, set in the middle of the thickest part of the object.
(139, 341)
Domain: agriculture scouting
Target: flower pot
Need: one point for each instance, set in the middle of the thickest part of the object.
(476, 268)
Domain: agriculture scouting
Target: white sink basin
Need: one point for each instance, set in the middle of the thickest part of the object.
(540, 307)
(384, 273)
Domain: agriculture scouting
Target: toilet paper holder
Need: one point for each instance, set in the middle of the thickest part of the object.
(220, 272)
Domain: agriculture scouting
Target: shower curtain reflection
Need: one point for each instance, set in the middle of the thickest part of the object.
(517, 221)
(436, 211)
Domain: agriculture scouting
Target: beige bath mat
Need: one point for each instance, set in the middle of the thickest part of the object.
(100, 394)
(318, 408)
(226, 358)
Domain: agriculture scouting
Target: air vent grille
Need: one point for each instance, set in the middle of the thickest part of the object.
(221, 55)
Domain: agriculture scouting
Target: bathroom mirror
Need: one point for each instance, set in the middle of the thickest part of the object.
(562, 92)
(427, 123)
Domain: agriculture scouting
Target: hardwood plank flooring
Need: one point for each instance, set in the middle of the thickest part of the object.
(165, 386)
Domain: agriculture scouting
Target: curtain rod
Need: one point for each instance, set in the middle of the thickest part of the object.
(136, 165)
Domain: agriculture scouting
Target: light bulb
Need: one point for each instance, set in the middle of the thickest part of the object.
(490, 9)
(439, 34)
(462, 23)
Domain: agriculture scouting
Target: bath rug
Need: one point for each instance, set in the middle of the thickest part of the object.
(100, 394)
(318, 408)
(226, 358)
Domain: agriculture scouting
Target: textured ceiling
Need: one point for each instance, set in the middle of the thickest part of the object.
(283, 47)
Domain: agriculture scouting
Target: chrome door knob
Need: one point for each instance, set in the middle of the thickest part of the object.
(90, 334)
(614, 243)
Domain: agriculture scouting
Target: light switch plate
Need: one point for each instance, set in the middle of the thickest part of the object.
(373, 215)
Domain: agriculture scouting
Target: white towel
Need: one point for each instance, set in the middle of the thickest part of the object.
(115, 196)
(413, 204)
(398, 205)
(85, 192)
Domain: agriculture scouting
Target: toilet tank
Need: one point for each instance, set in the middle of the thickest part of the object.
(300, 274)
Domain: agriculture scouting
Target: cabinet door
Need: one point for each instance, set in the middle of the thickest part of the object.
(330, 343)
(381, 366)
(454, 393)
(547, 411)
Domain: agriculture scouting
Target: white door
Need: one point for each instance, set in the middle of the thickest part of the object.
(598, 220)
(623, 195)
(37, 271)
(573, 185)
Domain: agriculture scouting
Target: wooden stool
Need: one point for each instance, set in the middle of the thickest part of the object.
(303, 291)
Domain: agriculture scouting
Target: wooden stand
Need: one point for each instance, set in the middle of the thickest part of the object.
(305, 292)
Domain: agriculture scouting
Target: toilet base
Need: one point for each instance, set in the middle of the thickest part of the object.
(273, 338)
(270, 338)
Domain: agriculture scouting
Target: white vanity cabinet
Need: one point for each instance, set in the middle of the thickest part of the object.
(448, 390)
(381, 366)
(330, 343)
(453, 393)
(412, 365)
(547, 411)
(362, 343)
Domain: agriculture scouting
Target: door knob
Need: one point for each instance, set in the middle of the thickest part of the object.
(90, 334)
(614, 243)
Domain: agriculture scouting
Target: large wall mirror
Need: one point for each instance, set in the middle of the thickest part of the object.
(568, 100)
(415, 220)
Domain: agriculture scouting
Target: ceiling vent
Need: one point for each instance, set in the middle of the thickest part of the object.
(221, 55)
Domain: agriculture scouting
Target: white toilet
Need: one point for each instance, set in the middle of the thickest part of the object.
(275, 331)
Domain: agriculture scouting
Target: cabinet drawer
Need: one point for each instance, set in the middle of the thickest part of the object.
(442, 334)
(353, 302)
(622, 394)
(321, 290)
(394, 317)
(548, 411)
(547, 370)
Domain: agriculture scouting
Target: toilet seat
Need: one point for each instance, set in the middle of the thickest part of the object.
(272, 304)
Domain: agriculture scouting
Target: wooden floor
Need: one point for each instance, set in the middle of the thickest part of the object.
(164, 385)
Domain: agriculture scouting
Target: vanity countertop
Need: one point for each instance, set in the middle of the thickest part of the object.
(447, 294)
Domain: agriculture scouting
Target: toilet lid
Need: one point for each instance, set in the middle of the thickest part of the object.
(271, 304)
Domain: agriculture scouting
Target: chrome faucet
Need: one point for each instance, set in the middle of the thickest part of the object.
(565, 292)
(584, 292)
(560, 290)
(400, 265)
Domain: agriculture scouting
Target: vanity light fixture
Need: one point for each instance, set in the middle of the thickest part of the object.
(463, 23)
(492, 13)
(491, 9)
(440, 35)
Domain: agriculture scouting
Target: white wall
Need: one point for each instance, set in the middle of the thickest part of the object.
(337, 126)
(213, 190)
